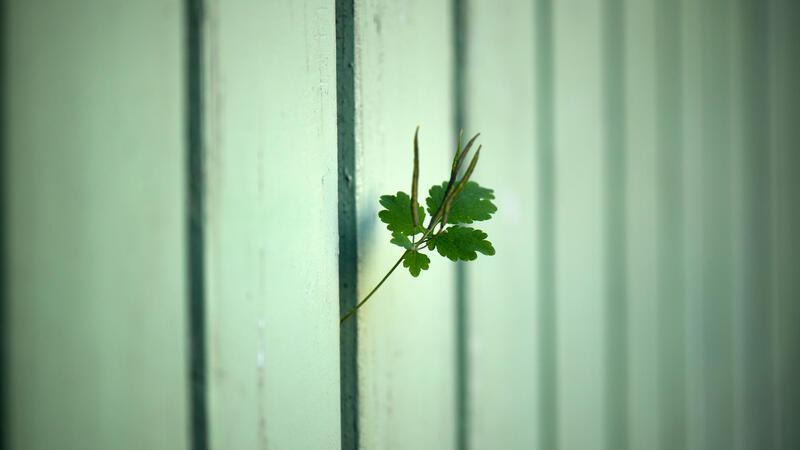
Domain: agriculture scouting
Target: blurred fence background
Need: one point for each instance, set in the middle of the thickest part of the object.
(189, 196)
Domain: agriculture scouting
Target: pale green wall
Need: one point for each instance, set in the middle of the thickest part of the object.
(270, 225)
(501, 313)
(94, 176)
(403, 77)
(643, 153)
(638, 73)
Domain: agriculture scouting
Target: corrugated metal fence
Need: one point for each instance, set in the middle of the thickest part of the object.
(190, 194)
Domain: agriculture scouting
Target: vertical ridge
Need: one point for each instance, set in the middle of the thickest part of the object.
(196, 216)
(548, 365)
(615, 227)
(755, 319)
(672, 432)
(4, 366)
(459, 12)
(716, 215)
(784, 106)
(348, 237)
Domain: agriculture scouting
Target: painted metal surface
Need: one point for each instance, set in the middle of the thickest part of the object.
(96, 243)
(271, 234)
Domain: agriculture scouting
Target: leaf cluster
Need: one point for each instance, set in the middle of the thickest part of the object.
(450, 205)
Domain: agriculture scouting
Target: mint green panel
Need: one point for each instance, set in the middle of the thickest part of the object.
(641, 192)
(784, 184)
(737, 228)
(580, 224)
(96, 194)
(670, 181)
(271, 225)
(501, 289)
(695, 418)
(708, 212)
(749, 168)
(406, 334)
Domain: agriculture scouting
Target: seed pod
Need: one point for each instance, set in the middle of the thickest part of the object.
(457, 161)
(461, 157)
(458, 149)
(415, 183)
(448, 202)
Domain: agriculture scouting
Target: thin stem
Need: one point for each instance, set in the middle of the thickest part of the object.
(353, 311)
(419, 245)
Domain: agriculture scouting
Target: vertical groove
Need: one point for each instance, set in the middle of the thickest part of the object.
(670, 293)
(755, 320)
(196, 217)
(348, 237)
(616, 344)
(548, 367)
(4, 366)
(716, 237)
(784, 54)
(459, 13)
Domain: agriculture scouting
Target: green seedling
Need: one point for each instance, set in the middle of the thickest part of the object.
(451, 204)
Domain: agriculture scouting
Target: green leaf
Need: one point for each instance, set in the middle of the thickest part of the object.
(461, 243)
(401, 240)
(416, 262)
(473, 203)
(397, 215)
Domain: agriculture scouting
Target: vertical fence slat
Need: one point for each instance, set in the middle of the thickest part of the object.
(670, 284)
(642, 222)
(580, 224)
(96, 255)
(547, 371)
(501, 290)
(784, 167)
(696, 410)
(707, 218)
(615, 224)
(717, 238)
(271, 215)
(752, 222)
(406, 351)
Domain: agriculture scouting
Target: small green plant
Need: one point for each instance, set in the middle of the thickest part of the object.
(451, 204)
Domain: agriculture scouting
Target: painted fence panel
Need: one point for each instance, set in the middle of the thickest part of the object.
(271, 225)
(753, 305)
(710, 249)
(403, 77)
(671, 184)
(784, 212)
(96, 218)
(692, 265)
(644, 294)
(580, 223)
(639, 122)
(501, 301)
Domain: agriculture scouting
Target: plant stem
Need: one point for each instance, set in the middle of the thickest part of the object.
(417, 246)
(353, 311)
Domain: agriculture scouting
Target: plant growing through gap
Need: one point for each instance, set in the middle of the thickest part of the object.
(451, 204)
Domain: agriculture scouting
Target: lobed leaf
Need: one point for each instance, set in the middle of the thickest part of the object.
(397, 214)
(401, 240)
(473, 203)
(416, 262)
(461, 243)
